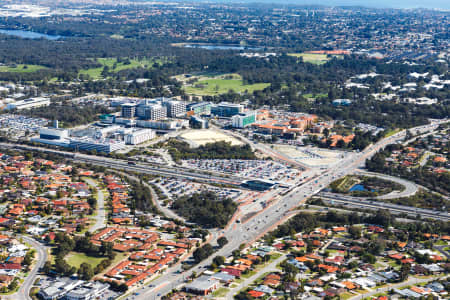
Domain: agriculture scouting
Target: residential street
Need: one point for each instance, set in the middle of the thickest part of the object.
(272, 267)
(410, 281)
(100, 218)
(40, 259)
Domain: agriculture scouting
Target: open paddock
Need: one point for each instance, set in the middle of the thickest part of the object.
(202, 137)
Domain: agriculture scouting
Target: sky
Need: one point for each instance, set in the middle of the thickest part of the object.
(440, 4)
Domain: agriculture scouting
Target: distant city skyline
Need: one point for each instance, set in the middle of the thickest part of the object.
(435, 4)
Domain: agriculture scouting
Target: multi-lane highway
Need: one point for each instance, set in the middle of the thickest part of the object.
(395, 208)
(236, 233)
(273, 215)
(145, 168)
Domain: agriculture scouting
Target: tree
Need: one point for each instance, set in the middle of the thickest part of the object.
(202, 252)
(85, 271)
(29, 257)
(205, 208)
(404, 271)
(222, 241)
(369, 258)
(219, 260)
(46, 269)
(355, 232)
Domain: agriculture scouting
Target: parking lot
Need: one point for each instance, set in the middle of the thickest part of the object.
(254, 169)
(174, 188)
(16, 126)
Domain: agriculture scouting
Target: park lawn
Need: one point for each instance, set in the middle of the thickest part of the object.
(96, 73)
(21, 68)
(75, 259)
(315, 96)
(221, 85)
(317, 59)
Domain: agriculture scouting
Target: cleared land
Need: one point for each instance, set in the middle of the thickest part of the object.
(201, 137)
(313, 157)
(21, 68)
(96, 73)
(317, 59)
(207, 85)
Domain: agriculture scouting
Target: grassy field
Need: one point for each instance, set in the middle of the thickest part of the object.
(96, 73)
(221, 292)
(21, 68)
(216, 85)
(317, 59)
(75, 259)
(315, 96)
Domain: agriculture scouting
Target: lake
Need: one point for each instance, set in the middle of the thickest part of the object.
(29, 34)
(219, 47)
(358, 188)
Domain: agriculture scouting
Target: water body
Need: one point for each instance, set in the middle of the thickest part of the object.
(219, 47)
(359, 188)
(29, 34)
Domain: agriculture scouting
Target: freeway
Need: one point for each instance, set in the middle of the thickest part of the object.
(395, 208)
(269, 218)
(146, 168)
(24, 290)
(158, 170)
(237, 233)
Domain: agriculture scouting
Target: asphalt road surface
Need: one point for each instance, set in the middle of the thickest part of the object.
(41, 257)
(395, 208)
(410, 187)
(269, 218)
(100, 218)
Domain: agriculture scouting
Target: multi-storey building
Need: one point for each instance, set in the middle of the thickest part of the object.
(128, 110)
(227, 110)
